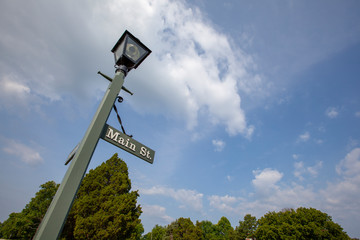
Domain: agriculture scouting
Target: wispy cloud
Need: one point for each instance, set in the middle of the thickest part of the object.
(332, 112)
(304, 137)
(156, 213)
(338, 198)
(14, 92)
(341, 196)
(350, 165)
(301, 170)
(229, 178)
(190, 199)
(219, 145)
(194, 71)
(226, 204)
(271, 192)
(26, 154)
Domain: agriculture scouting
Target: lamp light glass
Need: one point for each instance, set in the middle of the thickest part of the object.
(129, 51)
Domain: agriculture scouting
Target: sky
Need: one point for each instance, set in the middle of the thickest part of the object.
(250, 106)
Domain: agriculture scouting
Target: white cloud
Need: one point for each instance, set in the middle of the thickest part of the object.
(314, 170)
(225, 203)
(187, 198)
(13, 92)
(156, 213)
(357, 114)
(350, 165)
(339, 198)
(219, 145)
(267, 197)
(295, 156)
(332, 112)
(200, 71)
(26, 154)
(301, 170)
(352, 143)
(229, 178)
(304, 137)
(9, 86)
(266, 179)
(194, 70)
(272, 193)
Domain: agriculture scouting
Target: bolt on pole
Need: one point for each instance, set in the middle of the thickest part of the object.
(53, 222)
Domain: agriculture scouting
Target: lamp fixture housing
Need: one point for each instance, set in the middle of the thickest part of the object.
(129, 51)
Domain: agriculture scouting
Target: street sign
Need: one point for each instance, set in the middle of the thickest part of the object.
(127, 143)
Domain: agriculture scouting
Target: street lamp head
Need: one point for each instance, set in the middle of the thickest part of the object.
(129, 51)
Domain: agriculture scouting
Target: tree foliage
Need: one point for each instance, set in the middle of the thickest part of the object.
(246, 228)
(304, 223)
(208, 230)
(224, 229)
(23, 225)
(182, 228)
(157, 233)
(300, 224)
(104, 207)
(221, 230)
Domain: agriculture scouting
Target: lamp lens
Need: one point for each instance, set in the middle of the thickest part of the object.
(133, 52)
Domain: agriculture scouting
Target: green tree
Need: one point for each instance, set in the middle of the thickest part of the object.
(104, 207)
(224, 229)
(304, 223)
(208, 230)
(246, 228)
(24, 224)
(183, 229)
(157, 233)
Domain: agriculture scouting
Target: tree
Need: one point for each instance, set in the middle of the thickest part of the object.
(224, 229)
(104, 207)
(246, 228)
(24, 224)
(220, 231)
(304, 223)
(157, 233)
(183, 228)
(208, 230)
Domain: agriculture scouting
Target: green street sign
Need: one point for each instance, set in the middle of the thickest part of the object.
(127, 143)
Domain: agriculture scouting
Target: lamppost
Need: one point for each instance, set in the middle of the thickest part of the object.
(129, 52)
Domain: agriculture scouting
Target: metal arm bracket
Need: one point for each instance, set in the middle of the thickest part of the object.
(110, 79)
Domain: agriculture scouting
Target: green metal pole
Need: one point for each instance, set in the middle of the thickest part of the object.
(52, 224)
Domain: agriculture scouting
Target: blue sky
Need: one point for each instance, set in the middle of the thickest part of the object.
(250, 106)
